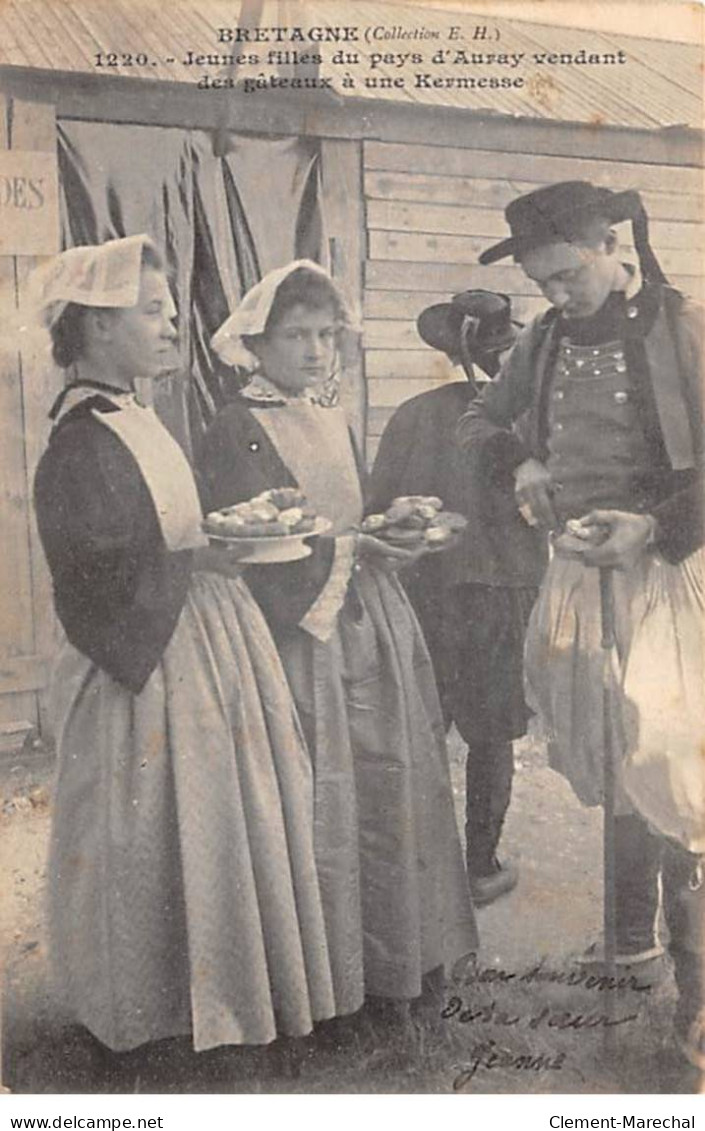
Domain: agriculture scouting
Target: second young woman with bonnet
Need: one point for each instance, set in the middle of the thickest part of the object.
(394, 891)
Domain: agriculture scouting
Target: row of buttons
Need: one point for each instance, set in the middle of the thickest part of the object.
(607, 360)
(592, 371)
(568, 363)
(621, 396)
(580, 352)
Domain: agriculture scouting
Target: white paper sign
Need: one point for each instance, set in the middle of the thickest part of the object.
(29, 203)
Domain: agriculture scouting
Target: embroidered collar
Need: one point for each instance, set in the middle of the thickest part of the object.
(265, 392)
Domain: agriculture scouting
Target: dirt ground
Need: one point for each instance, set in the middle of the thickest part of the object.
(510, 1022)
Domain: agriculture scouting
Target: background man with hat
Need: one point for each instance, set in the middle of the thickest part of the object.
(606, 387)
(473, 601)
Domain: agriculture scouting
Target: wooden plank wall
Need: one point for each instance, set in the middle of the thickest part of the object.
(28, 384)
(430, 211)
(344, 221)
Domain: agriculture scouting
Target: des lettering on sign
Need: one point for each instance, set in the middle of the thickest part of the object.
(29, 203)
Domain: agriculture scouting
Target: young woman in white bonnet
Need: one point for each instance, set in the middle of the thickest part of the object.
(183, 896)
(395, 894)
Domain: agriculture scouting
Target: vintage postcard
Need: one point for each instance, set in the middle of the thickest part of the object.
(351, 583)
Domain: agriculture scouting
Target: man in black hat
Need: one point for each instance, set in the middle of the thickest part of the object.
(606, 387)
(472, 601)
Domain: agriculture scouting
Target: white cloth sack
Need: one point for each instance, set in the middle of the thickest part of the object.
(664, 705)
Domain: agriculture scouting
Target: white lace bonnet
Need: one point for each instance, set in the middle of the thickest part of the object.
(250, 318)
(105, 275)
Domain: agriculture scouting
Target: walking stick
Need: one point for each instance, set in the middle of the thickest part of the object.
(608, 643)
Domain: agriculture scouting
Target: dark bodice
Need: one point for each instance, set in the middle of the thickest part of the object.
(118, 591)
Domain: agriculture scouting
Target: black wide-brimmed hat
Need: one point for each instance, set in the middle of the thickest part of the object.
(557, 214)
(474, 323)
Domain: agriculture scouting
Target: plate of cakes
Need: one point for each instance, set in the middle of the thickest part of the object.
(416, 522)
(272, 527)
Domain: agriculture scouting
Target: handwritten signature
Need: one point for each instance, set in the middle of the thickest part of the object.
(491, 1055)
